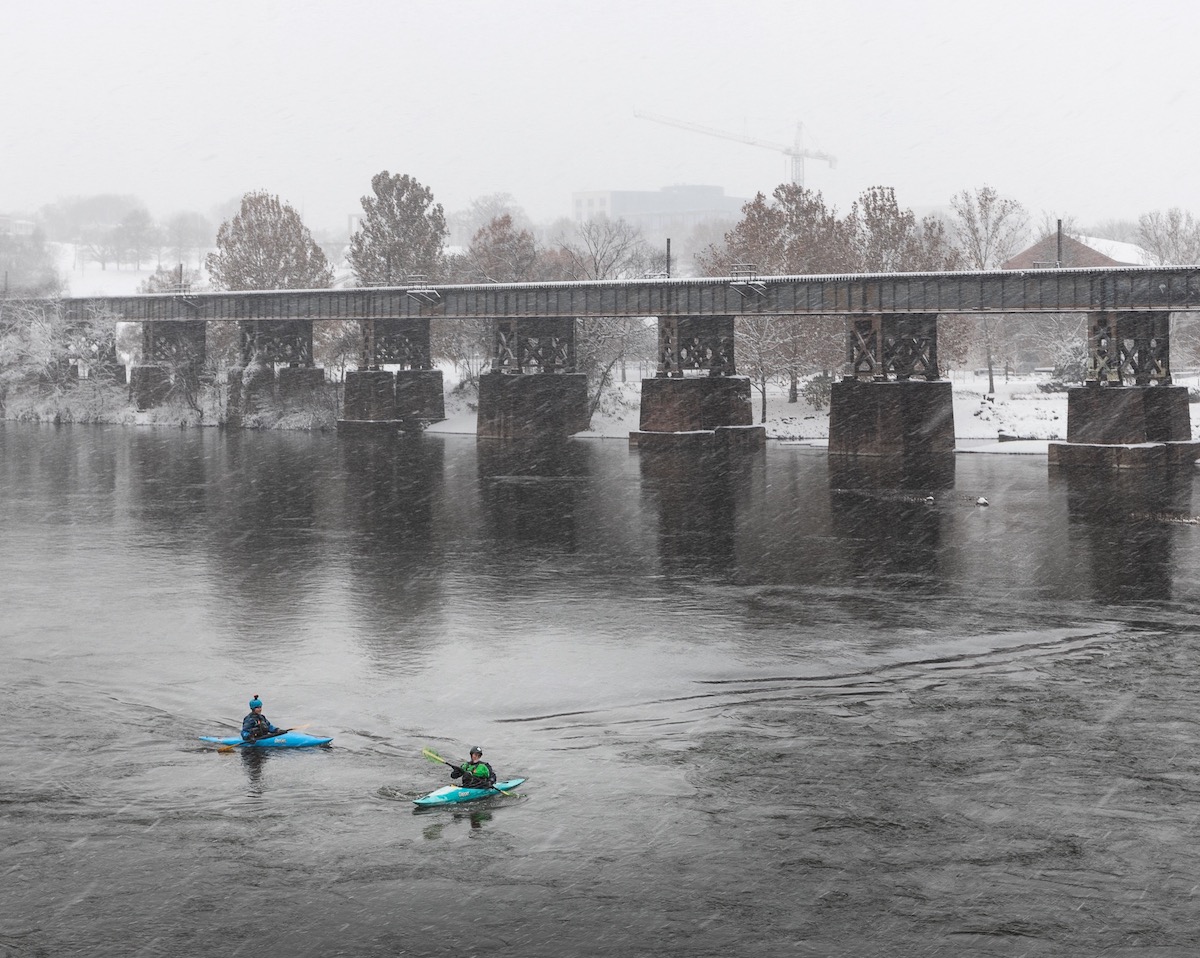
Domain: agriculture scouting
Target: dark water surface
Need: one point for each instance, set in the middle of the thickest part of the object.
(765, 707)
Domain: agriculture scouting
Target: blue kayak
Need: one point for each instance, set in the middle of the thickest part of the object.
(456, 795)
(286, 740)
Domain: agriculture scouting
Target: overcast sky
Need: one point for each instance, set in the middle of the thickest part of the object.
(1085, 109)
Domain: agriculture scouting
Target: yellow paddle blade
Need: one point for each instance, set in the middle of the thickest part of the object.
(433, 756)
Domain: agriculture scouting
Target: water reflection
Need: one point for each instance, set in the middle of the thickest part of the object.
(1123, 526)
(531, 491)
(77, 472)
(886, 510)
(474, 819)
(394, 504)
(254, 761)
(695, 494)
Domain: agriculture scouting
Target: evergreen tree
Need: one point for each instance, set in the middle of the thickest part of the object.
(401, 234)
(267, 246)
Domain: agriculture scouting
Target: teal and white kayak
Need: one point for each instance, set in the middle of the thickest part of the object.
(456, 795)
(286, 740)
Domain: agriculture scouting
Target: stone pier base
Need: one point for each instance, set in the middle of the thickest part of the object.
(528, 406)
(1128, 414)
(380, 400)
(697, 412)
(420, 396)
(692, 404)
(1126, 427)
(1145, 455)
(369, 396)
(902, 418)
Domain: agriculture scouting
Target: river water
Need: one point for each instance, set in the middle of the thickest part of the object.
(764, 706)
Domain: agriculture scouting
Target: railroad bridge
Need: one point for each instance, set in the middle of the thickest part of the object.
(891, 399)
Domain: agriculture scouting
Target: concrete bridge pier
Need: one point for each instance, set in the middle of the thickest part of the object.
(377, 398)
(265, 344)
(893, 402)
(532, 390)
(1128, 414)
(169, 351)
(713, 406)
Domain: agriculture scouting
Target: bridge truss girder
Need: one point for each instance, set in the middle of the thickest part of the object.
(893, 347)
(178, 345)
(534, 346)
(397, 342)
(1129, 349)
(277, 341)
(704, 343)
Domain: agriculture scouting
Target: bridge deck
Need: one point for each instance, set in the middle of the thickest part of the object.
(1174, 288)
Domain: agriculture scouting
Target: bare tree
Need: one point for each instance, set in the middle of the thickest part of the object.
(170, 279)
(139, 236)
(884, 237)
(28, 266)
(464, 224)
(1171, 238)
(501, 253)
(1122, 231)
(187, 234)
(606, 249)
(990, 228)
(1049, 226)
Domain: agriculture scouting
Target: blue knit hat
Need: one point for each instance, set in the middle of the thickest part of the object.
(256, 703)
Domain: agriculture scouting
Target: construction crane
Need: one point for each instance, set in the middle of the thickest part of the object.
(796, 152)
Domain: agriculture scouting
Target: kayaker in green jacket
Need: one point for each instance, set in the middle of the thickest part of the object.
(475, 773)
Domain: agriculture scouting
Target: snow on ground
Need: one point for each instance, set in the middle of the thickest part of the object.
(85, 277)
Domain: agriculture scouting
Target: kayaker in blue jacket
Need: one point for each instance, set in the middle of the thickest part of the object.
(475, 773)
(256, 725)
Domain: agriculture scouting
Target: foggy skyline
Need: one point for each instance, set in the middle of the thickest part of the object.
(1074, 109)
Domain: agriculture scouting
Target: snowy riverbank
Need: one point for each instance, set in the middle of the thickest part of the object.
(1018, 411)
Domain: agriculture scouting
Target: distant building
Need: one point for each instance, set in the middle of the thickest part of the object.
(11, 226)
(673, 209)
(1078, 251)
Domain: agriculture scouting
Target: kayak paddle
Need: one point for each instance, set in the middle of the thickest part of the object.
(251, 741)
(434, 757)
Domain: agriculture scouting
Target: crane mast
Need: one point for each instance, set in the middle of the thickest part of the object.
(797, 153)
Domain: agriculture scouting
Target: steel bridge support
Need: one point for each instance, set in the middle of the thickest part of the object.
(893, 402)
(375, 397)
(711, 404)
(171, 353)
(533, 390)
(1128, 413)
